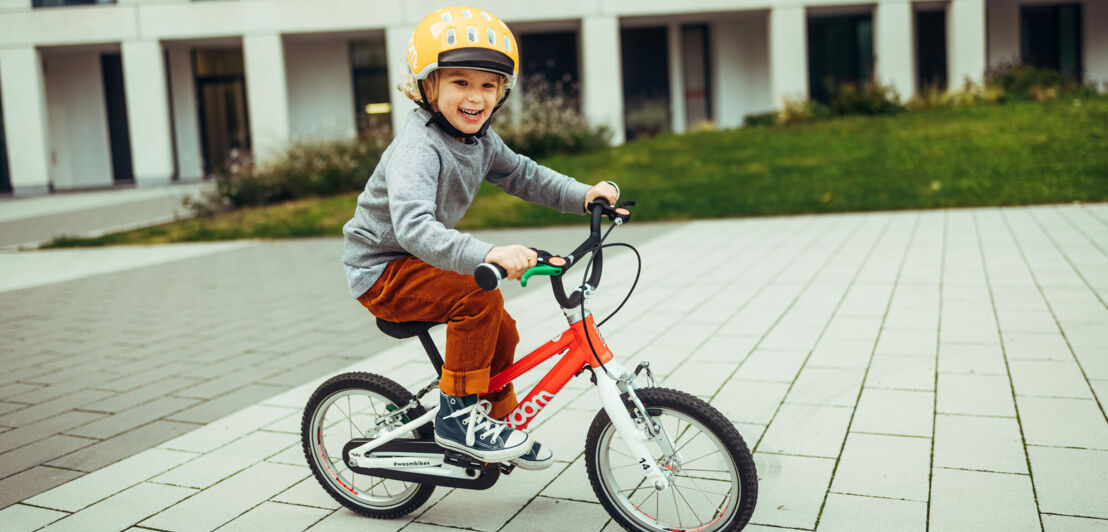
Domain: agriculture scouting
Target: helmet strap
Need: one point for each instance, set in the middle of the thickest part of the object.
(444, 124)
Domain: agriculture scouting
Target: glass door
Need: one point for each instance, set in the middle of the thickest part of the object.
(221, 104)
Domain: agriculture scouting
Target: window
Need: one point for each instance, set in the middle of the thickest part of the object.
(221, 104)
(372, 107)
(1050, 37)
(931, 49)
(58, 3)
(548, 61)
(840, 51)
(645, 80)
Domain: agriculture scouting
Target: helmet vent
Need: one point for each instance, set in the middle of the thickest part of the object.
(451, 37)
(507, 44)
(471, 33)
(492, 36)
(486, 16)
(466, 13)
(446, 17)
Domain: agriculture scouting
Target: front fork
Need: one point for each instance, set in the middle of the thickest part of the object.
(611, 382)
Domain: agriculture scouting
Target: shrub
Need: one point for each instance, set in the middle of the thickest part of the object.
(873, 99)
(305, 169)
(646, 117)
(760, 119)
(1025, 82)
(549, 123)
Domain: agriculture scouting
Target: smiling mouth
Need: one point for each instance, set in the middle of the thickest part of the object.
(470, 115)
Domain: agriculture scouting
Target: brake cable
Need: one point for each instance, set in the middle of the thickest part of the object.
(584, 284)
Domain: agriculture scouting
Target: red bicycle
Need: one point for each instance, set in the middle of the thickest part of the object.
(657, 459)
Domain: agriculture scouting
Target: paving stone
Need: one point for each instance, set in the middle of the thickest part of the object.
(884, 466)
(727, 349)
(826, 386)
(902, 372)
(38, 452)
(74, 401)
(343, 520)
(569, 482)
(1063, 422)
(1070, 481)
(38, 430)
(1030, 346)
(123, 509)
(541, 512)
(851, 513)
(131, 418)
(20, 517)
(972, 358)
(1049, 378)
(983, 395)
(1092, 360)
(307, 492)
(749, 401)
(981, 443)
(807, 430)
(226, 430)
(226, 461)
(1065, 523)
(1021, 321)
(564, 432)
(776, 366)
(918, 342)
(130, 382)
(700, 379)
(844, 353)
(975, 500)
(274, 515)
(899, 412)
(488, 509)
(13, 389)
(113, 449)
(112, 479)
(46, 393)
(218, 407)
(790, 489)
(852, 328)
(118, 402)
(228, 499)
(32, 482)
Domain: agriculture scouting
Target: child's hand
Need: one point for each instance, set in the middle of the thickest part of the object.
(605, 189)
(515, 258)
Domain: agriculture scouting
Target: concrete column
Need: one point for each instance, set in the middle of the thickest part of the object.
(267, 98)
(601, 77)
(190, 158)
(25, 128)
(965, 23)
(895, 47)
(676, 79)
(788, 53)
(1003, 33)
(148, 112)
(396, 48)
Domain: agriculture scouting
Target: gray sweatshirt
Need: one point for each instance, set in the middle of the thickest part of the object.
(422, 187)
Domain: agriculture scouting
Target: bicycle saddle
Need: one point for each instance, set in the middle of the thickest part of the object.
(405, 329)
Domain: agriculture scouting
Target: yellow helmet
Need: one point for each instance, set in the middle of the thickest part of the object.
(463, 37)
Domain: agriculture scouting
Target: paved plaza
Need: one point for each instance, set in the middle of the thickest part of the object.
(923, 370)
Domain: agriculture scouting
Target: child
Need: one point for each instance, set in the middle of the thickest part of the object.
(404, 259)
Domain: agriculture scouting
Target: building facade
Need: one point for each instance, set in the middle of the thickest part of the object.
(96, 93)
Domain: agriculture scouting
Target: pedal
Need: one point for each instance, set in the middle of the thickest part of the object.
(507, 468)
(461, 460)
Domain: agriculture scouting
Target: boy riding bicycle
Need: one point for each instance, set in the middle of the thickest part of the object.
(404, 259)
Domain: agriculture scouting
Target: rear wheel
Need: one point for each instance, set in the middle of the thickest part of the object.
(349, 406)
(713, 484)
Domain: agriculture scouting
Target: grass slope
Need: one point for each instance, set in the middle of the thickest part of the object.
(1028, 153)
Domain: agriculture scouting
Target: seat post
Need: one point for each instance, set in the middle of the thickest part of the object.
(432, 351)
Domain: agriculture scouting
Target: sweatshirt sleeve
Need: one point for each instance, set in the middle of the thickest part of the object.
(412, 179)
(520, 176)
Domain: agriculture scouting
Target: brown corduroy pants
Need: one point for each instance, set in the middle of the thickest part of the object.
(481, 337)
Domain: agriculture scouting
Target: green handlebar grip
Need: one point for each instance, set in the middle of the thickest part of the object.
(541, 269)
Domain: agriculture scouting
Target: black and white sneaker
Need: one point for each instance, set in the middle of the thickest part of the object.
(462, 425)
(539, 457)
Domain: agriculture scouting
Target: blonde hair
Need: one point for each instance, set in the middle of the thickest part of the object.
(431, 87)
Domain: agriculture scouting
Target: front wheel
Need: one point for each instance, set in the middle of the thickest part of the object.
(713, 484)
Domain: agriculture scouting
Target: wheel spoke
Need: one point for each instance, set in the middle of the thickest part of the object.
(691, 509)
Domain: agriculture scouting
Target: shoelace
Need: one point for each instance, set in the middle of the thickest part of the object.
(479, 420)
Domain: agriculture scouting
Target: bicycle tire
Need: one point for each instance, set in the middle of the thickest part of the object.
(394, 394)
(680, 405)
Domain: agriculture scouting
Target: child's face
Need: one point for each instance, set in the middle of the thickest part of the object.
(467, 97)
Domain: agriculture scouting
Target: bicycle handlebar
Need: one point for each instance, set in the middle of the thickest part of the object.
(489, 276)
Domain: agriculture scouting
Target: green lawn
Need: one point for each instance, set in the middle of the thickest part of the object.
(1018, 154)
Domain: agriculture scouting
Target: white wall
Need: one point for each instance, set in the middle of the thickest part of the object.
(321, 89)
(80, 150)
(740, 63)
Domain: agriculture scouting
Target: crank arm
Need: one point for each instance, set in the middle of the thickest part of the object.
(393, 434)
